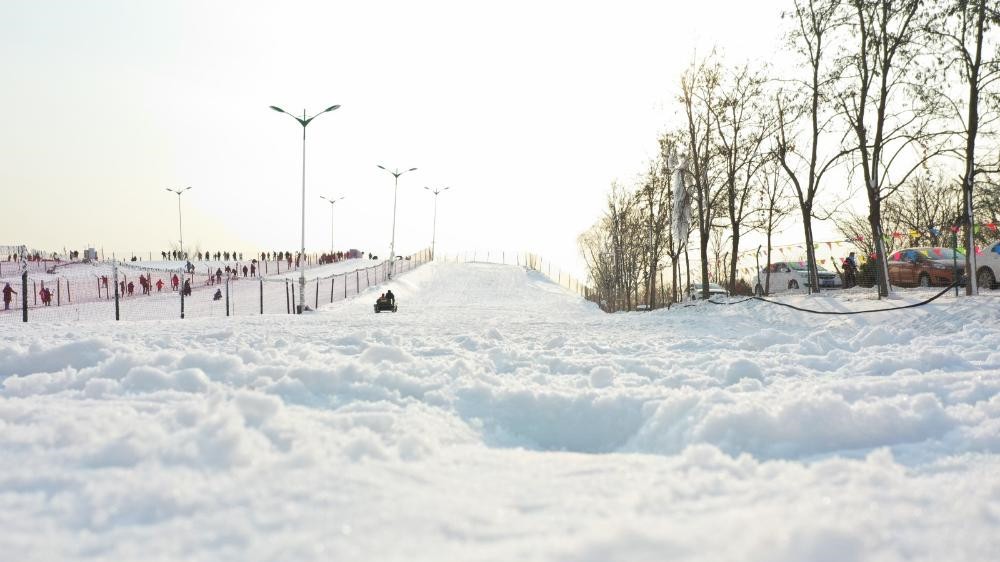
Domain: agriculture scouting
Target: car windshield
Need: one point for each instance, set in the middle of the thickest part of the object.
(801, 266)
(942, 254)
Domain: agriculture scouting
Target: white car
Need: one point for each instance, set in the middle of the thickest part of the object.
(793, 276)
(714, 289)
(988, 266)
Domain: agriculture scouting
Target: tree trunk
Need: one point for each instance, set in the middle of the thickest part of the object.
(705, 235)
(733, 259)
(875, 221)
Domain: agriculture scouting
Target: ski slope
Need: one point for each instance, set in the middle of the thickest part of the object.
(497, 417)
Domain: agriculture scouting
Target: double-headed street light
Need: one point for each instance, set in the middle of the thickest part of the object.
(332, 201)
(392, 245)
(434, 231)
(180, 223)
(304, 121)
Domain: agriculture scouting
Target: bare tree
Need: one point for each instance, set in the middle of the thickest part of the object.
(884, 105)
(676, 200)
(595, 247)
(654, 195)
(699, 95)
(962, 27)
(815, 23)
(772, 208)
(742, 125)
(923, 206)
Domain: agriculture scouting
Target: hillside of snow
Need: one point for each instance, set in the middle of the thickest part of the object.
(497, 417)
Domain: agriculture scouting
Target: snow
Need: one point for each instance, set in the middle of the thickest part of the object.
(497, 417)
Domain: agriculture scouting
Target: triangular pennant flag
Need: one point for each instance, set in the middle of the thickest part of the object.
(937, 251)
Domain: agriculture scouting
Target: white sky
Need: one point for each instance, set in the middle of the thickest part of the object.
(528, 110)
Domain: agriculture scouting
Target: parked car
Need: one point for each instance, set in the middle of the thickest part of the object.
(925, 267)
(714, 289)
(988, 266)
(792, 276)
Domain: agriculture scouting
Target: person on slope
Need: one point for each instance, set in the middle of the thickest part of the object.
(8, 293)
(391, 297)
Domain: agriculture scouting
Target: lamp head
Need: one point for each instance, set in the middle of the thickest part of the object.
(331, 108)
(278, 109)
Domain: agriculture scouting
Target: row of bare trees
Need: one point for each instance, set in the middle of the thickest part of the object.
(895, 99)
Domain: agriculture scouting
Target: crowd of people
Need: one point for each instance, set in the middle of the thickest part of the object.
(289, 257)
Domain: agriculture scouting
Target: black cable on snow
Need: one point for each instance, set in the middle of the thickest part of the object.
(838, 313)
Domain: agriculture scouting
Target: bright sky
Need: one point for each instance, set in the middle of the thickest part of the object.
(526, 109)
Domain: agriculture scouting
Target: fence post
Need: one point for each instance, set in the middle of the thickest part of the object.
(368, 281)
(227, 295)
(117, 309)
(261, 279)
(332, 279)
(357, 282)
(69, 295)
(181, 291)
(24, 290)
(34, 292)
(317, 294)
(58, 292)
(345, 286)
(293, 297)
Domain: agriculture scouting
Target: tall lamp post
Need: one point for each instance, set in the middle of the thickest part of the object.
(332, 201)
(434, 230)
(180, 222)
(392, 245)
(304, 121)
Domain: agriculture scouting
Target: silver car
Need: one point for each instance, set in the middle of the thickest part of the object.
(794, 276)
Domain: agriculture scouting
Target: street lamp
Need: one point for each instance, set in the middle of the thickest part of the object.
(332, 201)
(434, 231)
(180, 223)
(304, 121)
(392, 245)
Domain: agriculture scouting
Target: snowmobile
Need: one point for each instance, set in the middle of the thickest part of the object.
(384, 304)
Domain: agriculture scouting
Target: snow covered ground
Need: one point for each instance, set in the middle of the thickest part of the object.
(496, 417)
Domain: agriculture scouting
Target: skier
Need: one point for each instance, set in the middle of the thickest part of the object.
(159, 285)
(187, 288)
(218, 295)
(174, 282)
(390, 296)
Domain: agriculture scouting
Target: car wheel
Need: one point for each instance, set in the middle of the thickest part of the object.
(986, 278)
(924, 280)
(793, 284)
(759, 291)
